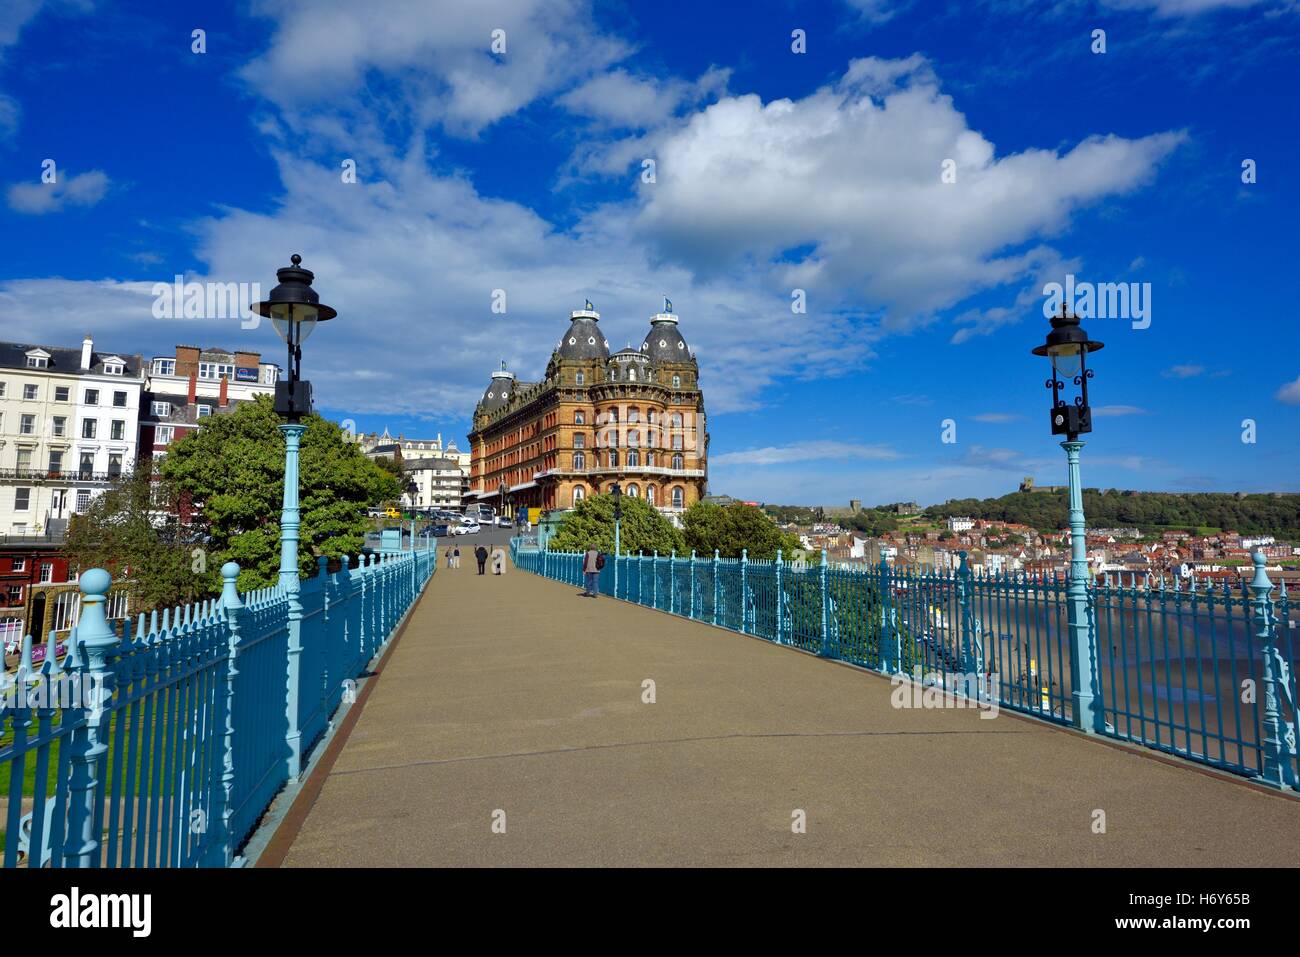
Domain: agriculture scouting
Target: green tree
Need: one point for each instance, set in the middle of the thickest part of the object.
(643, 528)
(731, 528)
(131, 530)
(232, 471)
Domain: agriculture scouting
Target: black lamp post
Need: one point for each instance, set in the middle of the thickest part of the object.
(294, 309)
(1068, 346)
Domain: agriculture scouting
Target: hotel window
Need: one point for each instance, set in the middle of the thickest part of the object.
(164, 366)
(59, 426)
(677, 440)
(679, 496)
(650, 494)
(579, 460)
(677, 461)
(633, 437)
(631, 375)
(633, 415)
(117, 431)
(160, 408)
(113, 369)
(203, 411)
(83, 499)
(578, 417)
(47, 572)
(114, 465)
(61, 393)
(677, 382)
(27, 425)
(116, 606)
(579, 378)
(215, 370)
(20, 564)
(633, 491)
(29, 392)
(56, 461)
(613, 459)
(119, 400)
(16, 591)
(650, 459)
(163, 434)
(633, 458)
(87, 463)
(579, 441)
(24, 462)
(2, 390)
(578, 495)
(22, 499)
(37, 362)
(92, 397)
(89, 428)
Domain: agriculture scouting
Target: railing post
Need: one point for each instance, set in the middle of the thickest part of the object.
(744, 594)
(826, 651)
(780, 598)
(716, 586)
(654, 580)
(692, 612)
(672, 581)
(965, 600)
(220, 849)
(886, 643)
(1279, 737)
(91, 678)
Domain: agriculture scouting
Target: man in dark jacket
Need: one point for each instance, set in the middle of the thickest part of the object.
(481, 555)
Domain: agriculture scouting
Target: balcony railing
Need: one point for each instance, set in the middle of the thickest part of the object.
(72, 476)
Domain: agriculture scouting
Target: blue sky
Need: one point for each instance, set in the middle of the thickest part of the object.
(775, 171)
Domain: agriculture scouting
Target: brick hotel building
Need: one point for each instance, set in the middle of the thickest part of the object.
(635, 417)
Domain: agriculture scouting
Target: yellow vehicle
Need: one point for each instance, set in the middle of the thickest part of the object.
(391, 512)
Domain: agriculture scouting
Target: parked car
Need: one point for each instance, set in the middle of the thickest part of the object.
(468, 528)
(440, 531)
(503, 522)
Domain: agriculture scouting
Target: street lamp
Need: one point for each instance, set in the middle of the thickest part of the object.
(294, 309)
(412, 495)
(501, 495)
(1068, 347)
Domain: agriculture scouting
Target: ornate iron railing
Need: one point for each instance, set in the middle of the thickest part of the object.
(163, 746)
(1203, 671)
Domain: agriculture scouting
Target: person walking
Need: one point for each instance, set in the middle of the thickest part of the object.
(498, 560)
(592, 562)
(449, 557)
(455, 557)
(481, 555)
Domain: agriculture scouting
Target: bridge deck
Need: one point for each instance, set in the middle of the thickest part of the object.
(513, 693)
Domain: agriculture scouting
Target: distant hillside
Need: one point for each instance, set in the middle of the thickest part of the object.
(1272, 514)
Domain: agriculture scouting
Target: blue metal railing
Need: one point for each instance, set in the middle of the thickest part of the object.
(164, 746)
(1206, 672)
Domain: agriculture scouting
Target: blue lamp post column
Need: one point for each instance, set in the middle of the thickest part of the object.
(618, 521)
(294, 309)
(1068, 346)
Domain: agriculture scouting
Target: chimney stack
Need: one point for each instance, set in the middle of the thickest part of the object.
(223, 400)
(87, 351)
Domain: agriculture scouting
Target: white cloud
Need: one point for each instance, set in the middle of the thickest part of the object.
(1183, 372)
(1289, 393)
(997, 417)
(421, 62)
(810, 451)
(1181, 8)
(37, 198)
(841, 192)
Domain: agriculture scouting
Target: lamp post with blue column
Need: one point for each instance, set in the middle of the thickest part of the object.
(617, 491)
(294, 309)
(1068, 347)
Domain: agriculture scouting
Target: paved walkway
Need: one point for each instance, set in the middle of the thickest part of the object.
(514, 694)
